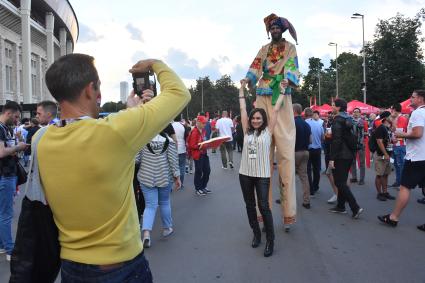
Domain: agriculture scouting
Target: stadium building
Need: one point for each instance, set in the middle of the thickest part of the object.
(33, 33)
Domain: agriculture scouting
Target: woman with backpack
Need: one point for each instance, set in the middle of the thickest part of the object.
(342, 153)
(158, 165)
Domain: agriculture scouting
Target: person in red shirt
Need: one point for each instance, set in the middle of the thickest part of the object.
(399, 148)
(200, 157)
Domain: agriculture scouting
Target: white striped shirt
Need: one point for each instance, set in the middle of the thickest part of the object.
(156, 170)
(258, 147)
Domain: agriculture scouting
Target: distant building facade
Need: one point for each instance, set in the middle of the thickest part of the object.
(123, 91)
(33, 33)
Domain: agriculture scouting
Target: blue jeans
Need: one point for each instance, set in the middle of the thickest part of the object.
(202, 172)
(153, 197)
(134, 271)
(182, 166)
(399, 152)
(7, 190)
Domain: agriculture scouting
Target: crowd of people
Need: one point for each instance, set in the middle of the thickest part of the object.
(100, 214)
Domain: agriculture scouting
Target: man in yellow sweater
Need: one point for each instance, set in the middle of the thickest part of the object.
(86, 167)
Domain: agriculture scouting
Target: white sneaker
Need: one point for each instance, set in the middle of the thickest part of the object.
(167, 232)
(333, 199)
(2, 251)
(8, 257)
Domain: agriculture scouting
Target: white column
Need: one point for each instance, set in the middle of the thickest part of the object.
(2, 72)
(62, 41)
(26, 49)
(50, 24)
(69, 46)
(40, 79)
(17, 76)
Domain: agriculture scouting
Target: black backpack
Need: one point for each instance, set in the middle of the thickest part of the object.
(350, 135)
(373, 145)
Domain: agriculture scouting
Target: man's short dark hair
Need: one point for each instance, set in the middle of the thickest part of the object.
(49, 106)
(341, 103)
(357, 108)
(35, 121)
(396, 107)
(308, 112)
(316, 112)
(298, 109)
(11, 106)
(69, 75)
(420, 92)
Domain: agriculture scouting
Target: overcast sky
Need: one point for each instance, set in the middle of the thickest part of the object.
(213, 38)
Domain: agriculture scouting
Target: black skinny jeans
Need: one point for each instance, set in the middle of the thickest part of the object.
(249, 186)
(314, 162)
(340, 173)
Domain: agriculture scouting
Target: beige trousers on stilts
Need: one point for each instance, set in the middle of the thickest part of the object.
(284, 140)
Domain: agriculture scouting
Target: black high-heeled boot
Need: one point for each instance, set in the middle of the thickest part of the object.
(268, 250)
(256, 240)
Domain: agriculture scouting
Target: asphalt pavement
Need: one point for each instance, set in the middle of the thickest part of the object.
(212, 238)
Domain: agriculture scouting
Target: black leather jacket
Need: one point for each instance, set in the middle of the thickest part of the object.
(341, 126)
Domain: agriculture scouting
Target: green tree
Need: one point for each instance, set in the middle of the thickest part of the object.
(394, 60)
(350, 76)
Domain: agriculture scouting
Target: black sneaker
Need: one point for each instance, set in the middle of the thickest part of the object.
(207, 191)
(388, 196)
(231, 165)
(336, 209)
(381, 197)
(353, 180)
(357, 214)
(201, 193)
(307, 205)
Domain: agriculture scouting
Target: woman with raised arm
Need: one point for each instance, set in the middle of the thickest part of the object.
(254, 173)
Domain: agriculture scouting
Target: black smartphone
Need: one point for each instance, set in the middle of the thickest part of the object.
(141, 82)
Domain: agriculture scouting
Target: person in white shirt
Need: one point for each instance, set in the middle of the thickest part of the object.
(225, 128)
(181, 146)
(413, 173)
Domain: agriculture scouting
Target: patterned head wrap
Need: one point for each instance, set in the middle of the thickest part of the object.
(283, 23)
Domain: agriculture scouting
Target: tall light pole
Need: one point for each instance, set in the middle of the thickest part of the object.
(318, 75)
(202, 95)
(336, 64)
(360, 16)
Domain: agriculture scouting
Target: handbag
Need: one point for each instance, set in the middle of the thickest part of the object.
(21, 174)
(36, 255)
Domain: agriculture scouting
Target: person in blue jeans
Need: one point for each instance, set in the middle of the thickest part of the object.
(399, 149)
(200, 157)
(9, 116)
(158, 165)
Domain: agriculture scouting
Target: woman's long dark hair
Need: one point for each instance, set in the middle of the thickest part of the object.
(251, 129)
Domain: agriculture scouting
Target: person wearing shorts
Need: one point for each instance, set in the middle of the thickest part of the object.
(413, 173)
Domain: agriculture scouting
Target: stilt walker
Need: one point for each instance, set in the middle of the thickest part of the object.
(275, 62)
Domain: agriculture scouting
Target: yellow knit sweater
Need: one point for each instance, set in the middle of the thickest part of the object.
(87, 170)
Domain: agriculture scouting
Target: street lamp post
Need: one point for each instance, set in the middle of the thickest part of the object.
(202, 95)
(320, 101)
(360, 16)
(336, 64)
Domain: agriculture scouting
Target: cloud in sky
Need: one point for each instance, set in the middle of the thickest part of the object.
(87, 34)
(136, 33)
(198, 40)
(189, 68)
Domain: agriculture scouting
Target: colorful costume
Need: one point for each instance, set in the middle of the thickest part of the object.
(273, 63)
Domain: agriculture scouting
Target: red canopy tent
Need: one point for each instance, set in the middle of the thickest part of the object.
(323, 110)
(364, 108)
(405, 107)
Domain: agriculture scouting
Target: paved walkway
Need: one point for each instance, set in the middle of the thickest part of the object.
(212, 239)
